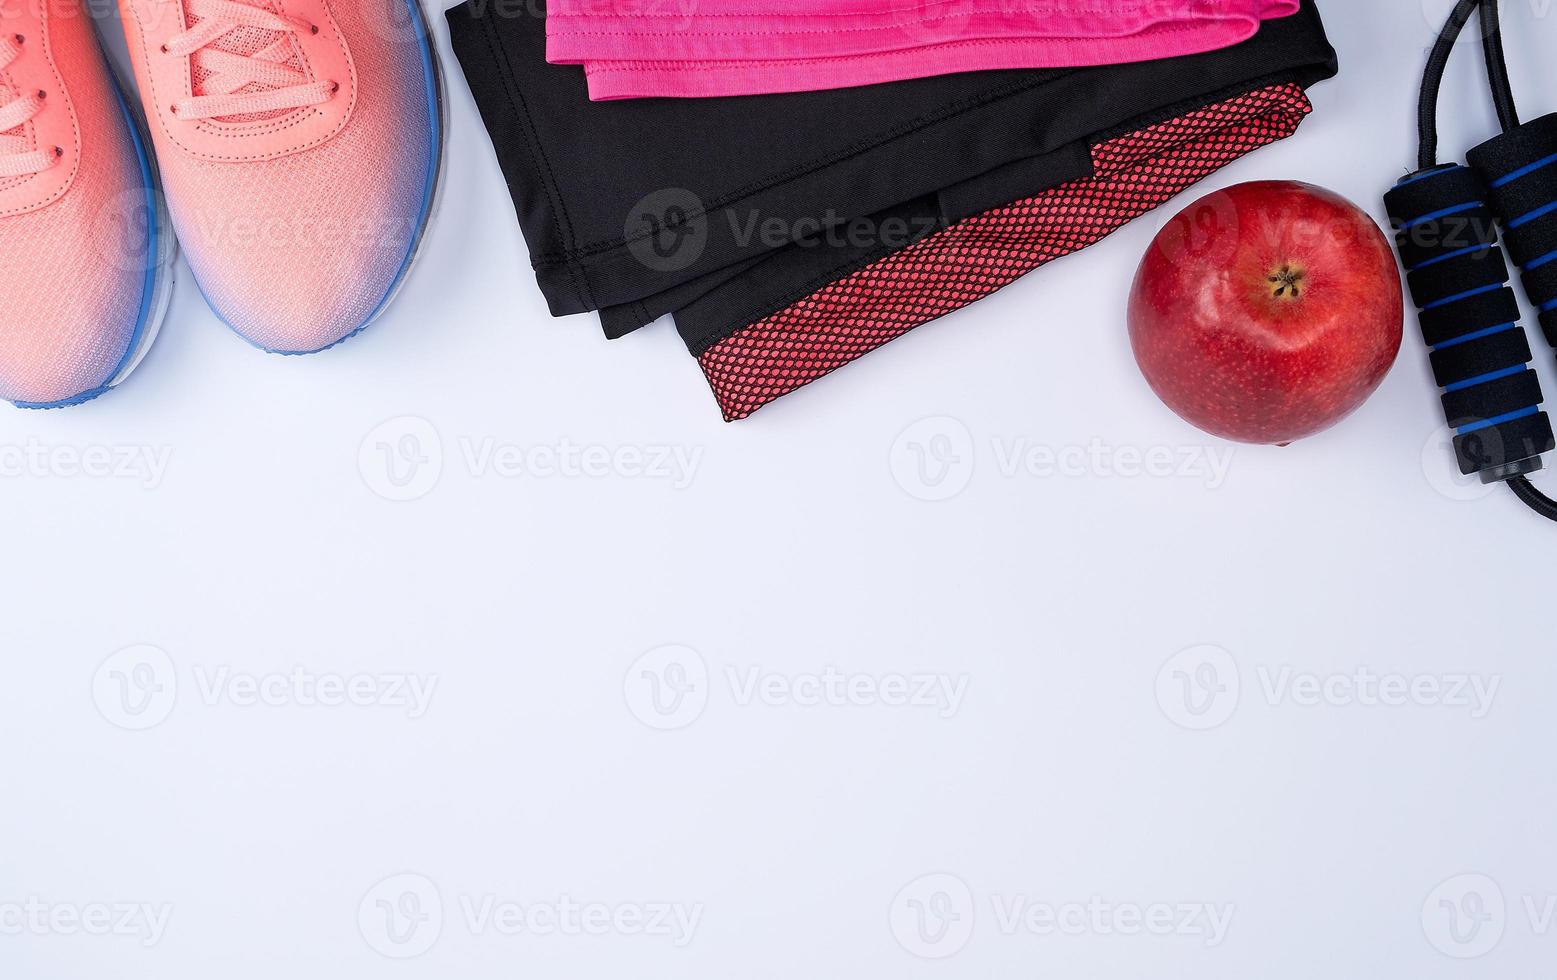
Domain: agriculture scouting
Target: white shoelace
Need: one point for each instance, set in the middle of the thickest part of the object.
(16, 110)
(275, 85)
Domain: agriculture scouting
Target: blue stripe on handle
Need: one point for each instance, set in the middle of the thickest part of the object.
(1482, 379)
(1549, 305)
(1447, 168)
(1548, 257)
(1446, 212)
(1524, 171)
(1490, 331)
(1525, 219)
(1465, 295)
(1499, 420)
(1445, 258)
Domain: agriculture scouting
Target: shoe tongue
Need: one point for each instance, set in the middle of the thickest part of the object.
(244, 41)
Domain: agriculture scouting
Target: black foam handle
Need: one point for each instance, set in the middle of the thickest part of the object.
(1468, 223)
(1458, 277)
(1541, 287)
(1532, 236)
(1519, 169)
(1498, 446)
(1458, 363)
(1465, 406)
(1443, 324)
(1457, 274)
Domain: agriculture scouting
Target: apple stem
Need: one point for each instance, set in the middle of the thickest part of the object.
(1288, 279)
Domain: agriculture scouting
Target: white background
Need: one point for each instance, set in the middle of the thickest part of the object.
(1067, 611)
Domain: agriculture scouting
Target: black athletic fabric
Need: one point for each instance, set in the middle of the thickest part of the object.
(597, 185)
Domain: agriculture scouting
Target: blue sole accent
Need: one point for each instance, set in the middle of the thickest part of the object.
(1523, 413)
(430, 87)
(1482, 379)
(71, 402)
(1524, 171)
(1446, 212)
(153, 263)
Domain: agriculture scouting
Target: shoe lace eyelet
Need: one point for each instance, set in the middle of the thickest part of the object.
(59, 151)
(335, 87)
(21, 38)
(313, 28)
(164, 49)
(42, 94)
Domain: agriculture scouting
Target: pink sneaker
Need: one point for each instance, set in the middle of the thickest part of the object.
(301, 143)
(84, 253)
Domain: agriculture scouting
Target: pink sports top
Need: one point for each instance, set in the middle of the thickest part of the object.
(691, 48)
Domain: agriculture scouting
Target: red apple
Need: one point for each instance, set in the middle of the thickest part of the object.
(1267, 312)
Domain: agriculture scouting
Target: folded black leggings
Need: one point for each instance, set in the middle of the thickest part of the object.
(729, 211)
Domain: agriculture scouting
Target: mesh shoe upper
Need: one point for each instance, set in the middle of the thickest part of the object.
(74, 237)
(299, 194)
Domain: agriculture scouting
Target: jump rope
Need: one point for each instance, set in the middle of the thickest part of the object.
(1451, 225)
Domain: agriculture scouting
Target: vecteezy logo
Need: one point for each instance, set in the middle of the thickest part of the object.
(1464, 917)
(932, 916)
(394, 20)
(1435, 13)
(667, 688)
(932, 459)
(667, 230)
(1198, 688)
(401, 916)
(124, 234)
(1206, 231)
(402, 459)
(1440, 465)
(136, 688)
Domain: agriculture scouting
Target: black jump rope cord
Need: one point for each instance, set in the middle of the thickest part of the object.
(1508, 119)
(1497, 66)
(1432, 82)
(1438, 61)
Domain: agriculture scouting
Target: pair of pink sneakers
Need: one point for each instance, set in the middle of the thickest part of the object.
(299, 145)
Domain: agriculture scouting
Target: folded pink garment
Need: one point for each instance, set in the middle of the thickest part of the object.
(691, 48)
